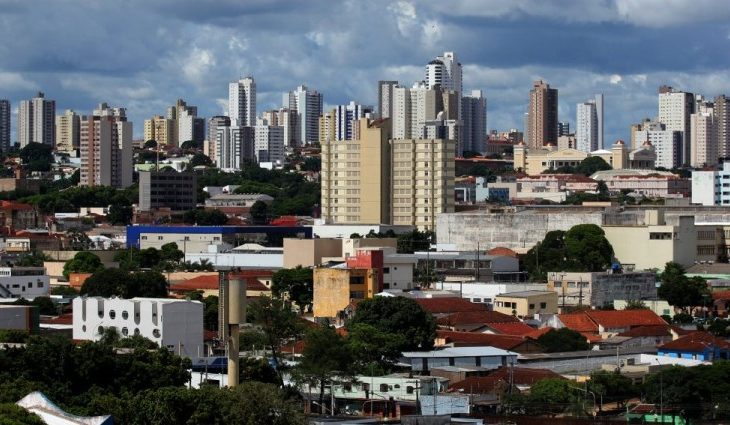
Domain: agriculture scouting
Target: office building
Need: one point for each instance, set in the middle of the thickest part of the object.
(308, 106)
(385, 98)
(106, 148)
(160, 129)
(242, 102)
(68, 128)
(721, 110)
(667, 143)
(5, 125)
(173, 324)
(268, 143)
(542, 116)
(675, 110)
(36, 121)
(167, 189)
(474, 122)
(589, 124)
(24, 282)
(704, 139)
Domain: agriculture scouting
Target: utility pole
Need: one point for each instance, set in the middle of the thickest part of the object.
(435, 390)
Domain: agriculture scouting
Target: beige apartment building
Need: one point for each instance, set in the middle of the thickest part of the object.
(68, 132)
(160, 129)
(542, 115)
(376, 180)
(106, 148)
(526, 303)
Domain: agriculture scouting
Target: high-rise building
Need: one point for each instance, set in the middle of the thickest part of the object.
(667, 143)
(412, 108)
(106, 148)
(190, 126)
(703, 134)
(4, 125)
(159, 129)
(563, 128)
(167, 189)
(722, 118)
(268, 142)
(234, 146)
(372, 179)
(675, 110)
(287, 119)
(346, 117)
(68, 132)
(36, 121)
(242, 102)
(542, 116)
(385, 98)
(308, 105)
(474, 120)
(445, 71)
(589, 124)
(327, 127)
(214, 123)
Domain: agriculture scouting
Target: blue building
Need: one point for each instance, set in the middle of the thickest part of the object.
(696, 346)
(197, 238)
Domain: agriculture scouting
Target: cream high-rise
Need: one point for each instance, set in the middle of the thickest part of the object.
(68, 132)
(542, 116)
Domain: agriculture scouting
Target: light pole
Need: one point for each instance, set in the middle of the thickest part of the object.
(661, 390)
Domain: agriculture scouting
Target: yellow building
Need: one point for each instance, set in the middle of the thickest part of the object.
(527, 303)
(68, 132)
(336, 288)
(160, 129)
(375, 180)
(327, 127)
(536, 161)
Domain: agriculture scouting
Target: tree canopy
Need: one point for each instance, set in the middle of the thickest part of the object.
(204, 217)
(397, 316)
(564, 339)
(83, 262)
(120, 283)
(679, 290)
(278, 322)
(592, 164)
(37, 156)
(296, 284)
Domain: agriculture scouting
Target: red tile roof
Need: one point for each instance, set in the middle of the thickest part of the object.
(519, 376)
(578, 322)
(653, 330)
(612, 319)
(515, 328)
(502, 251)
(475, 317)
(696, 342)
(462, 339)
(253, 284)
(721, 295)
(64, 319)
(209, 281)
(449, 305)
(537, 333)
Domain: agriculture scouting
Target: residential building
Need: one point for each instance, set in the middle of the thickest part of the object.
(474, 120)
(160, 129)
(16, 215)
(190, 126)
(415, 107)
(601, 289)
(268, 143)
(446, 72)
(667, 143)
(563, 128)
(167, 189)
(712, 187)
(517, 343)
(234, 146)
(173, 324)
(106, 148)
(214, 124)
(675, 111)
(308, 106)
(542, 116)
(704, 136)
(698, 345)
(359, 278)
(649, 183)
(24, 282)
(310, 252)
(36, 121)
(608, 323)
(721, 111)
(525, 304)
(536, 161)
(68, 132)
(346, 117)
(589, 124)
(484, 357)
(242, 102)
(385, 98)
(568, 142)
(5, 141)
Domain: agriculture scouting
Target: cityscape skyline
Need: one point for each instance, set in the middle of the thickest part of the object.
(199, 49)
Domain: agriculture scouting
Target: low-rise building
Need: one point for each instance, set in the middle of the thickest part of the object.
(24, 282)
(536, 161)
(174, 324)
(359, 278)
(649, 183)
(484, 357)
(698, 345)
(236, 203)
(608, 323)
(527, 303)
(19, 317)
(163, 189)
(601, 289)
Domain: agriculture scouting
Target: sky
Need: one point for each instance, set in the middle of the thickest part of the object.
(145, 54)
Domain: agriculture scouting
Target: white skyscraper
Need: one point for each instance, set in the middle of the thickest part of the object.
(444, 71)
(234, 146)
(667, 144)
(412, 108)
(675, 110)
(242, 102)
(586, 129)
(474, 119)
(346, 117)
(269, 142)
(308, 105)
(36, 121)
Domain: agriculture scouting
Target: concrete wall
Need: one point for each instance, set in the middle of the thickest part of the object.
(309, 252)
(333, 289)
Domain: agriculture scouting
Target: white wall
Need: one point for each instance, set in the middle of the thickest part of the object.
(486, 292)
(27, 287)
(243, 260)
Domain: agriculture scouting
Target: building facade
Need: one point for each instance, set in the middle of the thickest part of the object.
(711, 187)
(542, 115)
(24, 282)
(36, 121)
(234, 146)
(167, 189)
(173, 324)
(385, 98)
(589, 124)
(474, 119)
(704, 136)
(308, 105)
(242, 102)
(675, 110)
(68, 132)
(106, 148)
(269, 143)
(5, 142)
(601, 289)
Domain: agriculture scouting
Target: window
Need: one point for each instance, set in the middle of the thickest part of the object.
(347, 387)
(100, 330)
(187, 238)
(409, 390)
(112, 314)
(383, 388)
(366, 387)
(532, 306)
(83, 328)
(543, 305)
(386, 269)
(144, 238)
(125, 315)
(136, 331)
(30, 284)
(477, 300)
(357, 280)
(39, 284)
(159, 238)
(125, 331)
(357, 295)
(156, 333)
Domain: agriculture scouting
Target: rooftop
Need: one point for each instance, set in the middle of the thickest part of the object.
(478, 351)
(475, 317)
(696, 342)
(525, 294)
(449, 305)
(504, 342)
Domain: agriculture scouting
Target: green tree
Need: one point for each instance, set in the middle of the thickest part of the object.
(564, 339)
(34, 258)
(200, 217)
(296, 284)
(259, 370)
(259, 213)
(150, 144)
(326, 358)
(210, 313)
(12, 414)
(679, 290)
(120, 214)
(636, 305)
(83, 262)
(415, 241)
(37, 152)
(279, 324)
(45, 305)
(551, 396)
(590, 165)
(587, 248)
(373, 347)
(65, 291)
(200, 159)
(398, 316)
(116, 282)
(170, 252)
(612, 387)
(190, 145)
(547, 255)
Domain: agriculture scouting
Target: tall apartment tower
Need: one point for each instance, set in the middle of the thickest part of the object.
(242, 102)
(234, 146)
(589, 124)
(445, 71)
(345, 119)
(413, 107)
(563, 128)
(542, 116)
(214, 123)
(160, 129)
(68, 132)
(4, 125)
(268, 142)
(106, 148)
(385, 98)
(722, 118)
(190, 126)
(474, 120)
(703, 133)
(308, 105)
(675, 110)
(36, 121)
